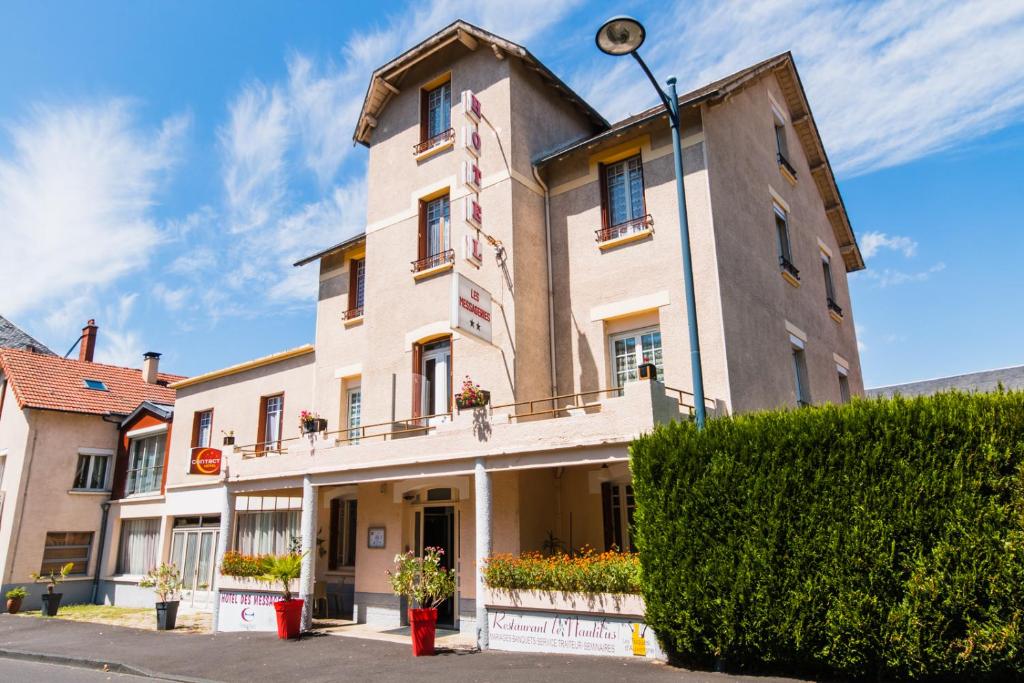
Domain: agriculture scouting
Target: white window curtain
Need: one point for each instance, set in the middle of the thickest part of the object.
(139, 541)
(267, 532)
(145, 473)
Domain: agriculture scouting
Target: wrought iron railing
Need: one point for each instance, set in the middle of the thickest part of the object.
(834, 307)
(430, 143)
(352, 313)
(434, 260)
(630, 227)
(785, 264)
(784, 163)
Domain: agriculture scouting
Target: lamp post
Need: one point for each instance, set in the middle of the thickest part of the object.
(621, 36)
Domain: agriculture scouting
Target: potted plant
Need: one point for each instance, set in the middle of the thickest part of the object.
(311, 423)
(283, 569)
(471, 395)
(425, 583)
(165, 581)
(51, 600)
(14, 598)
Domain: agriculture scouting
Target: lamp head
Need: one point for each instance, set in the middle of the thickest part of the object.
(620, 36)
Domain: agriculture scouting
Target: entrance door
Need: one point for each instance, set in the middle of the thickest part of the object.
(436, 371)
(438, 531)
(192, 552)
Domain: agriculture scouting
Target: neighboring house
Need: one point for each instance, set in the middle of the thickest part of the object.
(13, 337)
(62, 425)
(987, 380)
(516, 237)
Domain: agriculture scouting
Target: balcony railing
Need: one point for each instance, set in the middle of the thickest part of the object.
(784, 163)
(431, 143)
(143, 480)
(785, 264)
(352, 313)
(834, 307)
(434, 260)
(631, 227)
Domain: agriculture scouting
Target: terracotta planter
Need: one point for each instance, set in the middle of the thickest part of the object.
(289, 618)
(14, 605)
(51, 603)
(423, 625)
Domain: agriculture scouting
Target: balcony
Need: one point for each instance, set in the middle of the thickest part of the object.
(435, 263)
(786, 168)
(631, 230)
(430, 146)
(554, 428)
(789, 271)
(834, 309)
(352, 315)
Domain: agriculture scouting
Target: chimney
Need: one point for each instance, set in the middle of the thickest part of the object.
(88, 346)
(150, 364)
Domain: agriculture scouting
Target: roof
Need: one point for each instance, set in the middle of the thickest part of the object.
(385, 80)
(1011, 378)
(242, 367)
(48, 382)
(350, 242)
(13, 337)
(165, 411)
(803, 122)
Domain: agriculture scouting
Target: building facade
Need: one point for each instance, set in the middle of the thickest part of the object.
(516, 240)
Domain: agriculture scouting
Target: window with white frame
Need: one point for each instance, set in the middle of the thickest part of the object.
(439, 109)
(619, 507)
(438, 215)
(91, 474)
(203, 426)
(844, 383)
(354, 411)
(66, 547)
(272, 416)
(624, 188)
(267, 532)
(803, 394)
(630, 350)
(140, 539)
(145, 464)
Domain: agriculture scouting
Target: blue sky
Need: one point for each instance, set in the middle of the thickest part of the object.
(163, 164)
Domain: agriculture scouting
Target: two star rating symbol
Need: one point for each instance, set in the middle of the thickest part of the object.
(473, 323)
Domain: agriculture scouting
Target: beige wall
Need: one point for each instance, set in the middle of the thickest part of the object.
(15, 444)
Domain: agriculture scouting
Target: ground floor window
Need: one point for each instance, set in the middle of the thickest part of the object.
(343, 534)
(63, 547)
(267, 532)
(630, 350)
(139, 545)
(618, 506)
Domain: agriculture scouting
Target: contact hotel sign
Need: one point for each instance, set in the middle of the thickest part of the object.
(205, 461)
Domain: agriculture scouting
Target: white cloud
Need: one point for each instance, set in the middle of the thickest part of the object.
(76, 194)
(888, 277)
(172, 298)
(872, 242)
(115, 343)
(888, 81)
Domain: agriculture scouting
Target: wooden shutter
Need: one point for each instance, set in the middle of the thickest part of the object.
(424, 115)
(353, 281)
(261, 425)
(643, 186)
(451, 373)
(195, 427)
(280, 422)
(421, 250)
(332, 553)
(602, 179)
(417, 382)
(607, 515)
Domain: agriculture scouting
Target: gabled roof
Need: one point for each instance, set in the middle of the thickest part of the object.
(48, 382)
(345, 244)
(785, 71)
(385, 81)
(13, 337)
(164, 411)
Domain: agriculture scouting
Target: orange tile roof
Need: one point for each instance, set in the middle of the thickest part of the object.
(53, 383)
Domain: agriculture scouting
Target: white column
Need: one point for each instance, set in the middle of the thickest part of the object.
(227, 514)
(307, 577)
(482, 497)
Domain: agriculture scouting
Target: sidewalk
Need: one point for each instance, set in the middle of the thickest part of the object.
(246, 657)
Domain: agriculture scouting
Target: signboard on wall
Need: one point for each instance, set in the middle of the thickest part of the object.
(471, 308)
(247, 611)
(571, 634)
(205, 461)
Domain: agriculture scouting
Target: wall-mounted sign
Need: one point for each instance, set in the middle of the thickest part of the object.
(375, 537)
(471, 105)
(473, 250)
(247, 611)
(471, 140)
(471, 175)
(205, 461)
(474, 212)
(571, 634)
(471, 308)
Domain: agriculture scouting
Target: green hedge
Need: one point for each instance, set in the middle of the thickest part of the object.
(884, 538)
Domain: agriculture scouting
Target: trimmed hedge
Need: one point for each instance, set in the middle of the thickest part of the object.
(883, 538)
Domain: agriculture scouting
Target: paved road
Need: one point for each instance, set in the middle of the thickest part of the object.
(38, 672)
(250, 657)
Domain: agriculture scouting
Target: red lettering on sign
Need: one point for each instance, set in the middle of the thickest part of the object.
(474, 309)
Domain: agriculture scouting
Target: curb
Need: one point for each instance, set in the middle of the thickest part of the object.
(97, 665)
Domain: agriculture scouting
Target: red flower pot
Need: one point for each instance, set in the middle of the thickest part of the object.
(289, 618)
(422, 623)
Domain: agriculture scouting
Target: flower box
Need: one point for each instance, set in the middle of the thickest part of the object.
(484, 399)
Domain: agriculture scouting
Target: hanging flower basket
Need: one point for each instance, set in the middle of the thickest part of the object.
(471, 396)
(311, 423)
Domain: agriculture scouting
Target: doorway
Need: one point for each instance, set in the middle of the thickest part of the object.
(193, 544)
(435, 528)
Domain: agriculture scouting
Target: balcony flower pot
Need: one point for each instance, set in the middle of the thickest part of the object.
(311, 423)
(423, 625)
(166, 615)
(289, 618)
(51, 603)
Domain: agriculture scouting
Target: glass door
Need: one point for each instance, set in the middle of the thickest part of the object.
(192, 551)
(436, 371)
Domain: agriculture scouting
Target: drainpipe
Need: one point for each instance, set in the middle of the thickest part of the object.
(551, 286)
(99, 551)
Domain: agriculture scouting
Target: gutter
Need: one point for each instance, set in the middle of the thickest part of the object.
(551, 287)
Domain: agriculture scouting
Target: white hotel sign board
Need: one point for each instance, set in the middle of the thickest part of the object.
(571, 634)
(247, 611)
(471, 308)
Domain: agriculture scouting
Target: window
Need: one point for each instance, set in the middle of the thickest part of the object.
(803, 395)
(830, 292)
(202, 429)
(271, 422)
(780, 140)
(844, 384)
(785, 248)
(432, 365)
(632, 349)
(624, 191)
(436, 111)
(145, 465)
(92, 471)
(435, 240)
(63, 547)
(356, 288)
(354, 413)
(268, 532)
(137, 553)
(3, 465)
(343, 534)
(619, 507)
(94, 384)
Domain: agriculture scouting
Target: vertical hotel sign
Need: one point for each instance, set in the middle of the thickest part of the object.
(472, 178)
(471, 308)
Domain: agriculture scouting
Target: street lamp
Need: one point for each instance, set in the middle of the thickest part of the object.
(624, 36)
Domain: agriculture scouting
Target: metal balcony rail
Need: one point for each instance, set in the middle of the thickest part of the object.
(784, 163)
(352, 313)
(785, 264)
(629, 227)
(574, 401)
(834, 307)
(143, 480)
(434, 260)
(430, 143)
(686, 400)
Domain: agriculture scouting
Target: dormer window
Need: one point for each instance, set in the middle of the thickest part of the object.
(435, 117)
(94, 384)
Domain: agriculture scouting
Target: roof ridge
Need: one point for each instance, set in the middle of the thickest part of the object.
(83, 363)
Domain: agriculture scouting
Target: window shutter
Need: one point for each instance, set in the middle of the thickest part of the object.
(417, 380)
(352, 282)
(451, 373)
(261, 425)
(280, 423)
(332, 555)
(602, 179)
(421, 249)
(643, 185)
(424, 114)
(195, 427)
(607, 514)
